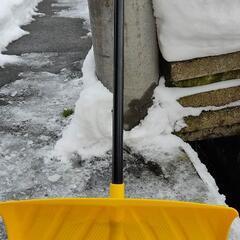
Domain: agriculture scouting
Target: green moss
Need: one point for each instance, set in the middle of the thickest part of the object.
(206, 79)
(67, 112)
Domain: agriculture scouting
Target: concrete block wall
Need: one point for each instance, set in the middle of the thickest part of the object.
(202, 71)
(143, 62)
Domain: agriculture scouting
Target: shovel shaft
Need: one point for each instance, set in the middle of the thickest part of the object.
(118, 88)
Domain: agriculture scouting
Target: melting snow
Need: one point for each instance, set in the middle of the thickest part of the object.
(13, 14)
(75, 9)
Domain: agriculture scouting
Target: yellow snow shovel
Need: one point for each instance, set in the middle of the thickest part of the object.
(115, 218)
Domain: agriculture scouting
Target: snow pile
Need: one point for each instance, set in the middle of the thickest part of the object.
(199, 28)
(13, 14)
(89, 133)
(74, 9)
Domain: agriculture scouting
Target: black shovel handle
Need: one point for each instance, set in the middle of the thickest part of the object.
(118, 89)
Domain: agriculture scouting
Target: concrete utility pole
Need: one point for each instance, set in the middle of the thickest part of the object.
(141, 53)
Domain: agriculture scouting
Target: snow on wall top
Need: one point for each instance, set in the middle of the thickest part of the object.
(199, 28)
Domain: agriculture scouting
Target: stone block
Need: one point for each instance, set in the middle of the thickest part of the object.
(217, 98)
(202, 71)
(217, 132)
(211, 124)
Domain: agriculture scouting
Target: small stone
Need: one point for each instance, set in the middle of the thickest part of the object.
(54, 178)
(13, 94)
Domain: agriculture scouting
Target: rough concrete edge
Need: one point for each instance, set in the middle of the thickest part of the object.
(218, 98)
(209, 65)
(217, 132)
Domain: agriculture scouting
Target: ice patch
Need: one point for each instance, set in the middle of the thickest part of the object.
(89, 133)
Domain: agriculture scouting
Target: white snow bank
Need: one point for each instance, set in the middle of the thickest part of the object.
(89, 133)
(13, 14)
(10, 59)
(199, 28)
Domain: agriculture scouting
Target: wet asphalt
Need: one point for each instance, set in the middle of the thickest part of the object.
(49, 34)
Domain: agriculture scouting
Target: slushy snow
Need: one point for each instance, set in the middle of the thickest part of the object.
(14, 14)
(199, 28)
(90, 133)
(75, 9)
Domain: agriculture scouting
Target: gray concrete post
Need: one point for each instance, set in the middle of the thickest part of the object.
(141, 53)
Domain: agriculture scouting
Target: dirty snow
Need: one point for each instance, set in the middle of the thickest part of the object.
(75, 9)
(14, 14)
(199, 28)
(166, 115)
(31, 123)
(91, 133)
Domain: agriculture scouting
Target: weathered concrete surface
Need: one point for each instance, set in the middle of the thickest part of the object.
(203, 71)
(216, 98)
(211, 124)
(70, 60)
(210, 133)
(141, 53)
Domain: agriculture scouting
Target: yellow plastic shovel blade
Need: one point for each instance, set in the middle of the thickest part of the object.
(130, 219)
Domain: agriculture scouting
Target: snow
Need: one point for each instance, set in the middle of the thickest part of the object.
(13, 14)
(74, 9)
(89, 133)
(9, 59)
(199, 28)
(31, 122)
(90, 130)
